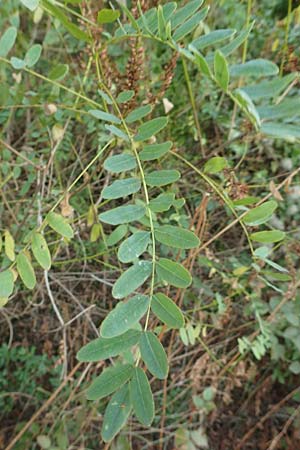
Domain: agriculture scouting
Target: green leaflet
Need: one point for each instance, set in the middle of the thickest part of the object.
(134, 246)
(246, 104)
(125, 96)
(26, 271)
(124, 316)
(184, 336)
(276, 276)
(149, 21)
(121, 188)
(261, 214)
(173, 273)
(162, 177)
(237, 41)
(263, 253)
(31, 4)
(150, 128)
(212, 38)
(153, 355)
(250, 200)
(17, 63)
(102, 115)
(176, 237)
(161, 22)
(33, 55)
(178, 203)
(109, 381)
(59, 72)
(6, 283)
(120, 163)
(138, 113)
(116, 413)
(287, 108)
(155, 151)
(9, 245)
(105, 97)
(7, 41)
(73, 29)
(123, 214)
(59, 224)
(102, 348)
(221, 70)
(267, 237)
(201, 62)
(187, 27)
(280, 130)
(107, 15)
(117, 132)
(255, 68)
(167, 311)
(141, 397)
(184, 13)
(162, 202)
(215, 165)
(117, 235)
(270, 89)
(40, 250)
(132, 279)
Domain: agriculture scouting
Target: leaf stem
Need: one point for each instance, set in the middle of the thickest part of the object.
(145, 188)
(193, 103)
(213, 185)
(286, 38)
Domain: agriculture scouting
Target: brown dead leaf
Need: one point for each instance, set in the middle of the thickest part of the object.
(65, 207)
(276, 194)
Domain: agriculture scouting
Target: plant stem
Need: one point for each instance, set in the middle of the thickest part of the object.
(193, 103)
(286, 38)
(216, 188)
(145, 188)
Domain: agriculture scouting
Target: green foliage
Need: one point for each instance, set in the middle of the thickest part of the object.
(141, 397)
(153, 355)
(261, 214)
(26, 271)
(102, 348)
(124, 316)
(109, 381)
(7, 41)
(134, 246)
(173, 273)
(60, 225)
(40, 250)
(116, 413)
(107, 15)
(21, 370)
(167, 311)
(152, 227)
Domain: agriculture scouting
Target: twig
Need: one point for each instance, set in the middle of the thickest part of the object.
(61, 321)
(11, 330)
(10, 148)
(288, 423)
(265, 417)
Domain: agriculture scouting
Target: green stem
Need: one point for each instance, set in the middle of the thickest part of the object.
(213, 185)
(55, 83)
(286, 38)
(193, 103)
(244, 57)
(145, 188)
(44, 222)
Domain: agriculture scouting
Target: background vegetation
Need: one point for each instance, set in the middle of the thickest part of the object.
(234, 363)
